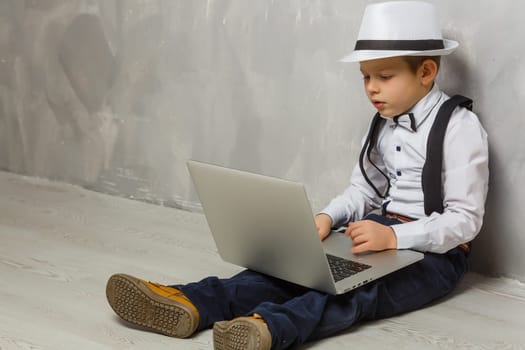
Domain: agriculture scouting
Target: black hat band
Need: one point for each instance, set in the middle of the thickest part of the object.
(402, 45)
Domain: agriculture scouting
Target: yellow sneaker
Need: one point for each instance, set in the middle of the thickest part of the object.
(242, 333)
(158, 308)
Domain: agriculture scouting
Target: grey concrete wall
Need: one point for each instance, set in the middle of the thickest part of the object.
(115, 95)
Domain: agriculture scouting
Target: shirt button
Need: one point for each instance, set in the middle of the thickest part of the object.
(398, 173)
(398, 148)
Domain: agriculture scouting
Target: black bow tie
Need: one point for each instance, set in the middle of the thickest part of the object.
(409, 123)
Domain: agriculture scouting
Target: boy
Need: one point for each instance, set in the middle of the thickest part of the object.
(398, 49)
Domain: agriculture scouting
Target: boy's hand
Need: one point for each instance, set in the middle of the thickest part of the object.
(370, 235)
(324, 225)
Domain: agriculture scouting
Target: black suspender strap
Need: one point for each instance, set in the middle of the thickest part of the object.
(369, 144)
(431, 177)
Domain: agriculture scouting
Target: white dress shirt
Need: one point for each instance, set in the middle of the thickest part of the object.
(400, 153)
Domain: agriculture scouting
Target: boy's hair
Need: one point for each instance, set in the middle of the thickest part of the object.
(414, 62)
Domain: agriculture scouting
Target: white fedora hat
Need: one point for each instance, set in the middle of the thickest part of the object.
(399, 28)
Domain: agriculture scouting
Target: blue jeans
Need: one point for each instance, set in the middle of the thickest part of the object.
(296, 314)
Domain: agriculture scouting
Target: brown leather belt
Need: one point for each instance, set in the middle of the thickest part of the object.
(404, 219)
(465, 247)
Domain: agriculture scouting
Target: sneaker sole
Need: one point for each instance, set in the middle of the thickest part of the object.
(136, 303)
(241, 334)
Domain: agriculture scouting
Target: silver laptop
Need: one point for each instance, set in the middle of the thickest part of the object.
(266, 224)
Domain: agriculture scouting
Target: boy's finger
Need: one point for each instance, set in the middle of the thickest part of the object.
(360, 248)
(360, 239)
(352, 233)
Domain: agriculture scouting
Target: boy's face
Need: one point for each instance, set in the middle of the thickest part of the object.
(392, 87)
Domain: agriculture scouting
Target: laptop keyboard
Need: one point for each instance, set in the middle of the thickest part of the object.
(342, 268)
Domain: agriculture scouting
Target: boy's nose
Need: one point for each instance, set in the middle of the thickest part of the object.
(371, 87)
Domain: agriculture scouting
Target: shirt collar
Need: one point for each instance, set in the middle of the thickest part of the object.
(420, 112)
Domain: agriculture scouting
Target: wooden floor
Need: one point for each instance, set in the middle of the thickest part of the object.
(59, 244)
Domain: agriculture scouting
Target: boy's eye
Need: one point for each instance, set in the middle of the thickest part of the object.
(366, 77)
(385, 76)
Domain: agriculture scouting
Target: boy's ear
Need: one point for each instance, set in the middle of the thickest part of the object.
(428, 71)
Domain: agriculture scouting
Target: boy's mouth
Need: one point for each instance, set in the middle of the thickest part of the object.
(378, 104)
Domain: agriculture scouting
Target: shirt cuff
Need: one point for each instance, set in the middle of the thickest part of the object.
(338, 216)
(411, 235)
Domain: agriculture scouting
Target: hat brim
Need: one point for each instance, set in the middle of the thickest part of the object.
(367, 55)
